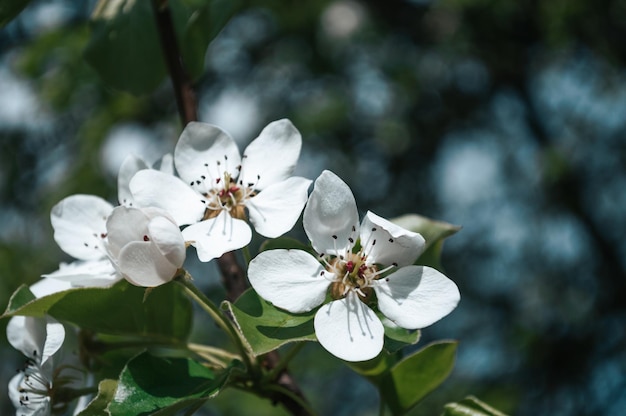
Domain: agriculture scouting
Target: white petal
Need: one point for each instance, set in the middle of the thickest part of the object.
(275, 210)
(272, 156)
(166, 164)
(151, 188)
(393, 244)
(349, 329)
(203, 153)
(37, 338)
(79, 221)
(416, 296)
(290, 279)
(216, 236)
(48, 286)
(330, 211)
(38, 404)
(168, 240)
(142, 264)
(90, 273)
(125, 225)
(131, 165)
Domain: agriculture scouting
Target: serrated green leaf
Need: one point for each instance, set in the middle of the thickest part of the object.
(98, 406)
(151, 385)
(470, 406)
(266, 327)
(434, 232)
(19, 298)
(120, 310)
(9, 9)
(411, 379)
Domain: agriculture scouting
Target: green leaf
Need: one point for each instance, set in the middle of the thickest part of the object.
(286, 243)
(434, 232)
(151, 385)
(125, 49)
(411, 379)
(164, 315)
(397, 338)
(376, 368)
(470, 406)
(98, 406)
(265, 327)
(20, 297)
(9, 9)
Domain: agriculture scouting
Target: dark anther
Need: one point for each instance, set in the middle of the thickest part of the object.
(374, 242)
(351, 240)
(394, 264)
(197, 182)
(203, 177)
(334, 236)
(391, 240)
(146, 238)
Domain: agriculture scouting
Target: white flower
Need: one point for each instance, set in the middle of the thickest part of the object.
(360, 267)
(219, 189)
(79, 223)
(145, 245)
(131, 165)
(38, 339)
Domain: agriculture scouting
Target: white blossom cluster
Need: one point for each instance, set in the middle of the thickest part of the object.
(361, 280)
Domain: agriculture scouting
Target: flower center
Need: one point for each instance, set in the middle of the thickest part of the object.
(225, 194)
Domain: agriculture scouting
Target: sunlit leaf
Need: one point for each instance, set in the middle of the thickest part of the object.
(470, 406)
(265, 327)
(397, 338)
(411, 379)
(98, 406)
(9, 9)
(164, 315)
(164, 385)
(434, 232)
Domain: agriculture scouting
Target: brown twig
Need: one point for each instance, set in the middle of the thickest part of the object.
(233, 275)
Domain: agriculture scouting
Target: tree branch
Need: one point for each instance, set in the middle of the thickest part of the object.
(233, 275)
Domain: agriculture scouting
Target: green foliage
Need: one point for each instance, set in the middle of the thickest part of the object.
(164, 385)
(265, 327)
(165, 313)
(410, 380)
(397, 338)
(434, 232)
(126, 52)
(470, 406)
(11, 8)
(98, 406)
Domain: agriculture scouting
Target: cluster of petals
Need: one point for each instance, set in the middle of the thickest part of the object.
(359, 268)
(38, 339)
(144, 246)
(218, 190)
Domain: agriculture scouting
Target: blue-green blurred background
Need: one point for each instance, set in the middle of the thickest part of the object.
(506, 117)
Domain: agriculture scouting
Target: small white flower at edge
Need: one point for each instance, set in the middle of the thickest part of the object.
(79, 223)
(145, 245)
(38, 339)
(218, 189)
(359, 265)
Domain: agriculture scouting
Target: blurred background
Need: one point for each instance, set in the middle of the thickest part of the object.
(506, 117)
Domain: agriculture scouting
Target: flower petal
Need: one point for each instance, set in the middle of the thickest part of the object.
(151, 188)
(36, 338)
(79, 222)
(142, 264)
(90, 273)
(218, 235)
(349, 329)
(272, 156)
(393, 244)
(168, 239)
(416, 296)
(131, 165)
(203, 153)
(125, 225)
(275, 210)
(290, 279)
(330, 211)
(48, 286)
